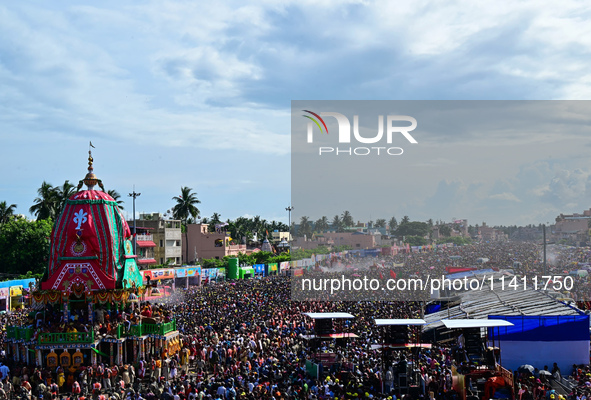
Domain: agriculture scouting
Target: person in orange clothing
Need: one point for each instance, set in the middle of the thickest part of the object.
(158, 369)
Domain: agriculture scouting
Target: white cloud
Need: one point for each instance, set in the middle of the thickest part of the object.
(216, 79)
(505, 196)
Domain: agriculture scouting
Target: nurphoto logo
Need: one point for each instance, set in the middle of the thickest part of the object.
(344, 133)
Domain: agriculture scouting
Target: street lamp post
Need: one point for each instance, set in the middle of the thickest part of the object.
(289, 210)
(134, 195)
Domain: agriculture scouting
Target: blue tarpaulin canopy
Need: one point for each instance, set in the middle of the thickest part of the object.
(544, 328)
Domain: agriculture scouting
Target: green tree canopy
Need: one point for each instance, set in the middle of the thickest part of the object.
(458, 240)
(412, 228)
(62, 194)
(347, 219)
(416, 240)
(25, 246)
(393, 224)
(51, 200)
(6, 212)
(305, 228)
(380, 223)
(47, 203)
(321, 225)
(337, 224)
(445, 230)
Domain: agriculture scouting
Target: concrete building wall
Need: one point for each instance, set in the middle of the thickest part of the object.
(209, 244)
(167, 235)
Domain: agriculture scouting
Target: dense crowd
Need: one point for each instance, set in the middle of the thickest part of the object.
(247, 340)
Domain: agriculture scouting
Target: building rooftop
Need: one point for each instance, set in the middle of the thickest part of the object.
(481, 304)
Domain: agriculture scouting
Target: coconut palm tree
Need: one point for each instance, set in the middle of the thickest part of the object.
(392, 225)
(184, 208)
(278, 226)
(337, 224)
(321, 225)
(347, 219)
(47, 204)
(305, 228)
(63, 193)
(116, 196)
(6, 212)
(213, 221)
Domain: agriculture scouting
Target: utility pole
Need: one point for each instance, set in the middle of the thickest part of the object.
(134, 195)
(289, 210)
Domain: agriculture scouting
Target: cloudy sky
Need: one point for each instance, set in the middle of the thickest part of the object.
(500, 162)
(198, 94)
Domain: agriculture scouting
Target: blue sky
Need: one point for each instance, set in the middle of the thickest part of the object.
(198, 94)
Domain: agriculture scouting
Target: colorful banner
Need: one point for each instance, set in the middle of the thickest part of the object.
(156, 274)
(210, 273)
(259, 269)
(284, 266)
(187, 272)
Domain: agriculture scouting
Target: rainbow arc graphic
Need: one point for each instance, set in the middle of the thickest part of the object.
(316, 121)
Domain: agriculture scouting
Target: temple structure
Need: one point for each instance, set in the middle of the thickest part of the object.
(88, 307)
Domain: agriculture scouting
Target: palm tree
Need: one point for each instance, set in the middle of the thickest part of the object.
(240, 229)
(405, 220)
(380, 223)
(278, 226)
(186, 207)
(47, 204)
(305, 229)
(321, 225)
(116, 196)
(63, 193)
(337, 224)
(216, 218)
(6, 212)
(393, 224)
(347, 219)
(212, 222)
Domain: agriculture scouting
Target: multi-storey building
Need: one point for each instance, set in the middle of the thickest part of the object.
(145, 247)
(166, 235)
(277, 236)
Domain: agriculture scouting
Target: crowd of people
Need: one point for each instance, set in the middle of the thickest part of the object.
(247, 339)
